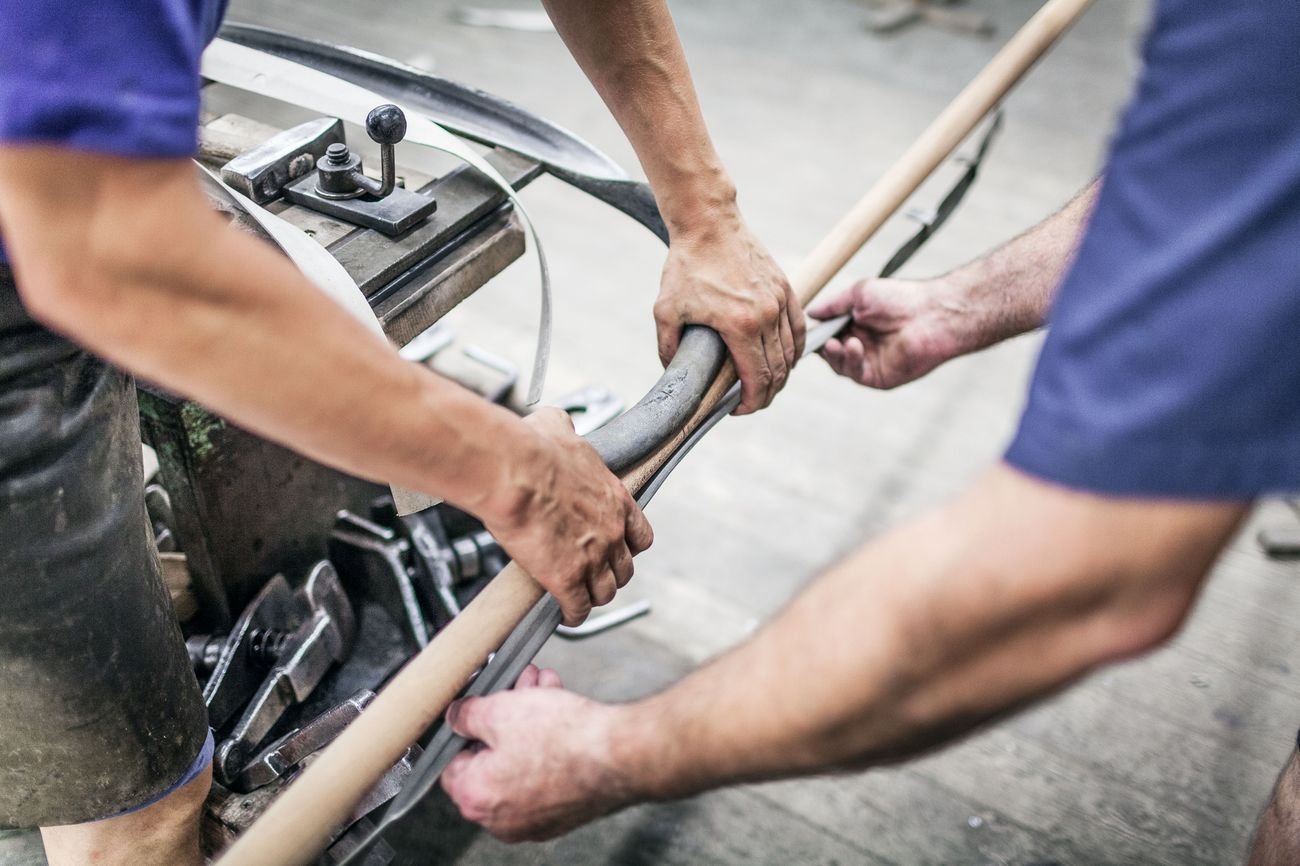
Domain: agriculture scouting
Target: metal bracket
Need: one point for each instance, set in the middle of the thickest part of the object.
(261, 173)
(393, 214)
(284, 755)
(375, 553)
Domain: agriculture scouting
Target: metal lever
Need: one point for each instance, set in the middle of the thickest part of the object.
(340, 188)
(338, 172)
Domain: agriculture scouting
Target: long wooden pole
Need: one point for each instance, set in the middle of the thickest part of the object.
(298, 825)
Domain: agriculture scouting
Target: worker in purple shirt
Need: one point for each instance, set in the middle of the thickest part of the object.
(1165, 401)
(114, 265)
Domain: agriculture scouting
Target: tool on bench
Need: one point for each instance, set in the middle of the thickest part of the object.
(299, 824)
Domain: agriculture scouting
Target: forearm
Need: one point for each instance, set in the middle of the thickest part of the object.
(181, 299)
(942, 625)
(1010, 290)
(631, 53)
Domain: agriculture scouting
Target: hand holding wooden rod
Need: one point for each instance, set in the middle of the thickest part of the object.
(299, 825)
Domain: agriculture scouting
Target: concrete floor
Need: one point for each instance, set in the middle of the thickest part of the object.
(1164, 760)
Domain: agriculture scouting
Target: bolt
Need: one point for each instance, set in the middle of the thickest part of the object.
(338, 153)
(265, 645)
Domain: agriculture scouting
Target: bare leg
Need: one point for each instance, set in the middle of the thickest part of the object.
(1277, 840)
(164, 834)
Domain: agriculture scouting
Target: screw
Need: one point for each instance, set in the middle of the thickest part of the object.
(337, 153)
(265, 645)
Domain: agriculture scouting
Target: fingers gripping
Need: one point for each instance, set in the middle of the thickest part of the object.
(576, 602)
(472, 718)
(640, 535)
(668, 329)
(842, 303)
(750, 356)
(604, 587)
(798, 323)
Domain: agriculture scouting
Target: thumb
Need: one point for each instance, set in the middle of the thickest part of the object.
(551, 418)
(670, 337)
(471, 718)
(838, 305)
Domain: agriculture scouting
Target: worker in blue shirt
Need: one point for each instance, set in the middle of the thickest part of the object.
(1165, 401)
(116, 266)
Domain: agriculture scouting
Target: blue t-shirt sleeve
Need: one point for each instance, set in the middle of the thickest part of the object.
(114, 76)
(1172, 367)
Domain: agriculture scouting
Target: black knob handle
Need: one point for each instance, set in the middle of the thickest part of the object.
(386, 124)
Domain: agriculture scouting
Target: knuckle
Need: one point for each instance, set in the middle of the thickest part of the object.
(554, 417)
(473, 806)
(749, 321)
(665, 311)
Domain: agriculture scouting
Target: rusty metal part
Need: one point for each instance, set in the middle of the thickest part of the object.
(263, 171)
(341, 189)
(320, 632)
(283, 756)
(378, 559)
(227, 814)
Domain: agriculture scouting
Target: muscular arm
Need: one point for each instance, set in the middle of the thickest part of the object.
(717, 273)
(1005, 595)
(903, 329)
(126, 258)
(1000, 598)
(159, 284)
(1010, 290)
(631, 53)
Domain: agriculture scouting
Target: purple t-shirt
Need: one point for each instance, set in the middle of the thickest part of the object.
(118, 77)
(1172, 367)
(110, 76)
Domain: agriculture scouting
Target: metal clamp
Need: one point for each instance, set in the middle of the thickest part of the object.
(308, 632)
(284, 755)
(340, 188)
